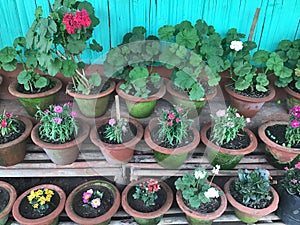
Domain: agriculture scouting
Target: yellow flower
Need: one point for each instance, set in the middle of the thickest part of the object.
(48, 198)
(42, 200)
(36, 205)
(297, 72)
(31, 196)
(38, 193)
(49, 192)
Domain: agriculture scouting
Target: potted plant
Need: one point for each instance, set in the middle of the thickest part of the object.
(41, 204)
(249, 89)
(93, 202)
(60, 133)
(69, 27)
(289, 193)
(171, 137)
(227, 139)
(147, 200)
(251, 195)
(200, 200)
(14, 131)
(117, 137)
(8, 196)
(282, 139)
(31, 88)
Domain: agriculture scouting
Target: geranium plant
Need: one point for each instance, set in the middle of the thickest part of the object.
(92, 197)
(227, 125)
(174, 125)
(57, 123)
(147, 191)
(195, 187)
(8, 123)
(40, 199)
(291, 180)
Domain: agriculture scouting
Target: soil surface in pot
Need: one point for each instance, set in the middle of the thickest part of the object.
(20, 88)
(276, 133)
(4, 198)
(163, 143)
(86, 210)
(250, 93)
(208, 207)
(129, 135)
(242, 140)
(27, 210)
(293, 87)
(138, 204)
(263, 203)
(95, 90)
(20, 128)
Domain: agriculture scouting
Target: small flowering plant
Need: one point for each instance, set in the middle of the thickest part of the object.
(291, 180)
(40, 199)
(196, 189)
(92, 197)
(57, 123)
(147, 192)
(7, 123)
(174, 125)
(227, 125)
(292, 133)
(116, 129)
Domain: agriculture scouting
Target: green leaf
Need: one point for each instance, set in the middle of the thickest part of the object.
(260, 57)
(7, 54)
(183, 26)
(76, 46)
(262, 79)
(23, 77)
(284, 45)
(241, 84)
(138, 73)
(293, 54)
(183, 80)
(274, 62)
(261, 88)
(38, 12)
(181, 52)
(139, 30)
(54, 67)
(187, 38)
(166, 32)
(197, 92)
(297, 84)
(11, 66)
(68, 68)
(195, 59)
(283, 72)
(95, 79)
(19, 41)
(283, 82)
(31, 60)
(201, 27)
(41, 82)
(95, 46)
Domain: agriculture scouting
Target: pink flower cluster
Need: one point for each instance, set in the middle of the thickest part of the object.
(172, 117)
(153, 186)
(59, 109)
(87, 198)
(295, 111)
(76, 21)
(4, 121)
(297, 166)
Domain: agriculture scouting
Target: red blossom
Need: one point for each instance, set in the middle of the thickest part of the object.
(3, 123)
(76, 21)
(8, 115)
(153, 185)
(171, 116)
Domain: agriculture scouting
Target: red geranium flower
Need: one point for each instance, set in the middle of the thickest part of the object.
(3, 123)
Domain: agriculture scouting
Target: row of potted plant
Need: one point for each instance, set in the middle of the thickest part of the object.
(147, 200)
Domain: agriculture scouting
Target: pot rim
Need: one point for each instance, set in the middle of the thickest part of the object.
(12, 198)
(291, 92)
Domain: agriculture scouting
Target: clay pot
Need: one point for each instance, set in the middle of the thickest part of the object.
(95, 105)
(293, 98)
(31, 101)
(194, 217)
(12, 197)
(14, 151)
(248, 106)
(226, 158)
(247, 214)
(282, 155)
(149, 218)
(51, 218)
(62, 154)
(116, 153)
(166, 157)
(137, 106)
(103, 219)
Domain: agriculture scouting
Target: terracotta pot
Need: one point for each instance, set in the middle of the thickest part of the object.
(194, 217)
(293, 98)
(149, 218)
(247, 214)
(93, 105)
(166, 157)
(31, 101)
(52, 218)
(248, 106)
(12, 197)
(14, 151)
(116, 153)
(103, 219)
(282, 155)
(62, 154)
(194, 107)
(139, 107)
(226, 158)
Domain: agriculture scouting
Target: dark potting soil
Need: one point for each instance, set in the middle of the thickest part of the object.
(27, 211)
(21, 89)
(4, 198)
(132, 132)
(86, 210)
(276, 133)
(208, 207)
(241, 141)
(162, 143)
(293, 87)
(95, 90)
(250, 93)
(263, 203)
(14, 134)
(138, 204)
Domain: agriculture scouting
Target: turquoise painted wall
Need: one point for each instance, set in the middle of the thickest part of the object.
(278, 19)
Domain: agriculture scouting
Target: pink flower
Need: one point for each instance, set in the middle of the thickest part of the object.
(170, 123)
(8, 115)
(179, 109)
(112, 122)
(57, 120)
(96, 202)
(153, 185)
(58, 109)
(73, 114)
(178, 120)
(86, 196)
(124, 129)
(46, 111)
(297, 165)
(286, 168)
(221, 113)
(3, 123)
(230, 124)
(69, 104)
(171, 116)
(296, 111)
(248, 120)
(295, 123)
(294, 181)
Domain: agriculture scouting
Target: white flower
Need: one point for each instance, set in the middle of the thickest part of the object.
(200, 174)
(90, 191)
(236, 45)
(212, 193)
(248, 120)
(237, 115)
(221, 113)
(216, 169)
